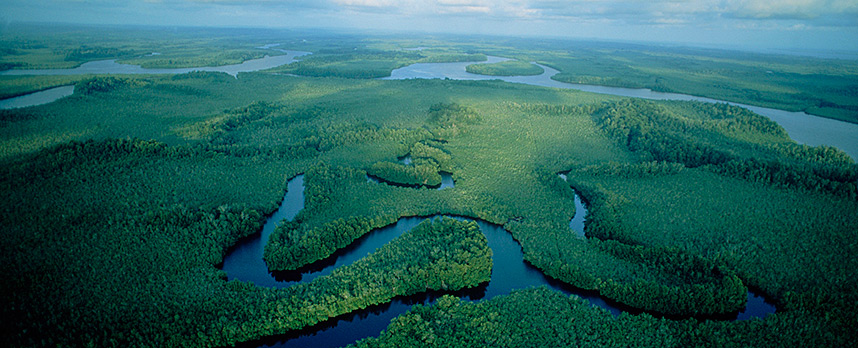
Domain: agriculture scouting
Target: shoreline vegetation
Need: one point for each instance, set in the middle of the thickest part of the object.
(505, 68)
(122, 199)
(819, 86)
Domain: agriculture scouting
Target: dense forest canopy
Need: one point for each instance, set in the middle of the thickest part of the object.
(122, 199)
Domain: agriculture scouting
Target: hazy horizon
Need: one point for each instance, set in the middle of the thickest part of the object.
(794, 25)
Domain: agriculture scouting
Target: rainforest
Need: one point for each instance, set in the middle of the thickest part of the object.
(130, 196)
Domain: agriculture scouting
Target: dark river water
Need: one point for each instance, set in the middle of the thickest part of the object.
(509, 272)
(244, 261)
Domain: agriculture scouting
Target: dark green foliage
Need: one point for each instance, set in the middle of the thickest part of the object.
(18, 85)
(156, 235)
(818, 86)
(624, 170)
(87, 53)
(414, 175)
(119, 236)
(526, 318)
(223, 57)
(424, 169)
(9, 116)
(700, 288)
(365, 63)
(212, 76)
(116, 242)
(451, 119)
(665, 135)
(505, 68)
(543, 318)
(447, 115)
(351, 63)
(294, 245)
(454, 57)
(838, 180)
(234, 119)
(671, 282)
(9, 66)
(99, 85)
(444, 254)
(689, 211)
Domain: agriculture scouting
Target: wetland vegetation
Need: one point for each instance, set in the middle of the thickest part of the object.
(122, 200)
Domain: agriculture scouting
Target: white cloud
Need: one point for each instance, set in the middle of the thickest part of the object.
(794, 9)
(366, 3)
(614, 18)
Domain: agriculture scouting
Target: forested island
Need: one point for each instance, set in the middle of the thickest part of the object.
(122, 200)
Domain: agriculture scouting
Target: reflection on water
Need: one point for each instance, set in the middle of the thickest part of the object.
(244, 260)
(37, 98)
(802, 127)
(509, 272)
(446, 178)
(112, 67)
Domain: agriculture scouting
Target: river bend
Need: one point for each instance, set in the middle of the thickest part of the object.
(509, 272)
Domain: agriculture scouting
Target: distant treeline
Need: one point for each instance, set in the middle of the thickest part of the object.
(698, 141)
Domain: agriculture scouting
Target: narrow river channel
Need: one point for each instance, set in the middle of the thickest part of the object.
(509, 272)
(244, 261)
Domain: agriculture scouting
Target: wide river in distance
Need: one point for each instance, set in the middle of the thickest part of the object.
(801, 127)
(244, 261)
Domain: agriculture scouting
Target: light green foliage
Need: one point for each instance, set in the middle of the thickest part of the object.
(144, 236)
(505, 68)
(415, 175)
(13, 86)
(665, 135)
(435, 255)
(116, 242)
(350, 63)
(40, 46)
(363, 63)
(824, 87)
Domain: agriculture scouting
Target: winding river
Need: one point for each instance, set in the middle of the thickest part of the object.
(244, 261)
(110, 66)
(801, 127)
(509, 272)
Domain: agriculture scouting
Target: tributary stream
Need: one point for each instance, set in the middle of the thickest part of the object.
(509, 272)
(244, 261)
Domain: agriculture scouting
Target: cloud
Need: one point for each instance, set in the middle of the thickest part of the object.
(810, 13)
(463, 6)
(789, 9)
(593, 18)
(366, 3)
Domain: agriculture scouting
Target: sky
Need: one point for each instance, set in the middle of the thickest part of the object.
(762, 24)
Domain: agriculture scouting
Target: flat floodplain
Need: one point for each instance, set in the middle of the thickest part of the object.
(125, 198)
